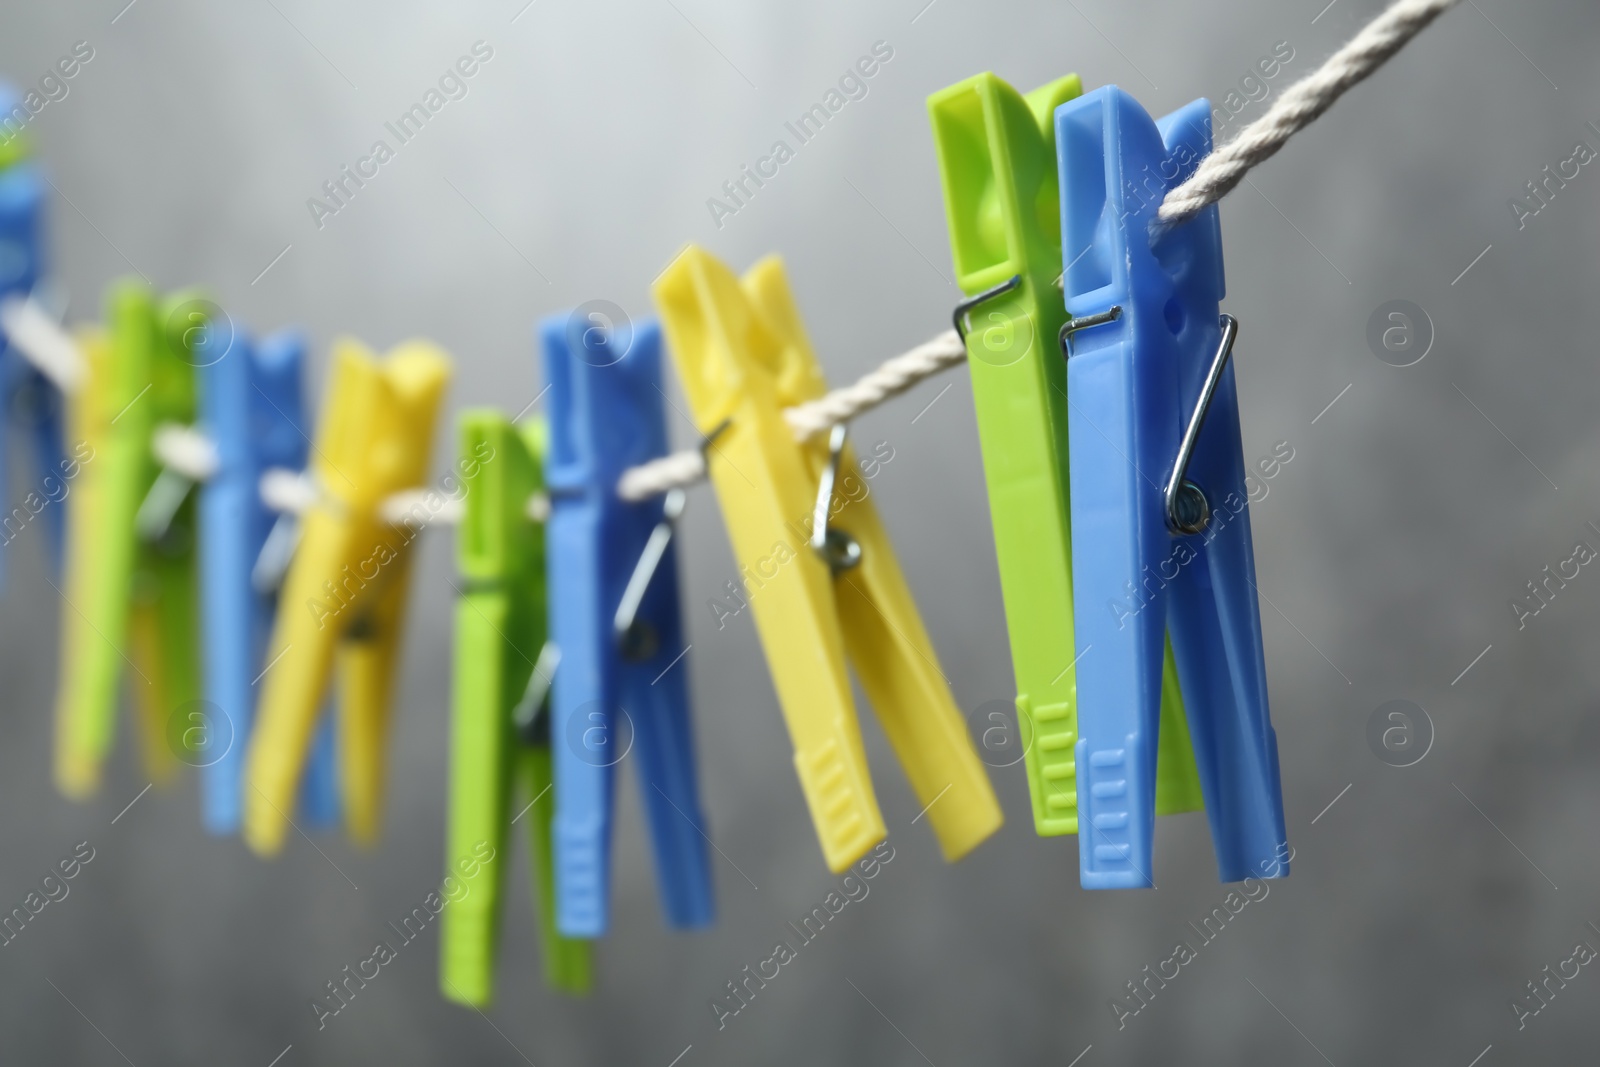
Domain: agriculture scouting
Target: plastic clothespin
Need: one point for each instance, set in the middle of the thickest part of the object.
(346, 588)
(26, 394)
(1161, 527)
(500, 732)
(252, 409)
(996, 153)
(131, 574)
(743, 356)
(617, 624)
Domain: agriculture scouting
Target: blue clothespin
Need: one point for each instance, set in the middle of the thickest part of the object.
(1160, 526)
(252, 408)
(25, 393)
(613, 594)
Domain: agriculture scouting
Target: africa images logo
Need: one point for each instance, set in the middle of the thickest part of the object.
(853, 85)
(343, 186)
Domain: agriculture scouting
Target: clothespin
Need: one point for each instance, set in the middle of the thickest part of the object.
(252, 413)
(131, 583)
(27, 393)
(346, 588)
(997, 161)
(500, 731)
(824, 579)
(1160, 525)
(614, 615)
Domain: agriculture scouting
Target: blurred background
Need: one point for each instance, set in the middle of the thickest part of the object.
(1420, 500)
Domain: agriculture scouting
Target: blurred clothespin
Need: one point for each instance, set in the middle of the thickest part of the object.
(825, 581)
(996, 153)
(252, 414)
(345, 590)
(615, 617)
(500, 730)
(1160, 525)
(37, 365)
(130, 582)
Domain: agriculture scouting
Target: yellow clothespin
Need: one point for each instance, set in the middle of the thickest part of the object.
(743, 356)
(131, 585)
(345, 591)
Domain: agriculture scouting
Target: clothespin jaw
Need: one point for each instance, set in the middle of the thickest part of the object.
(1143, 373)
(995, 158)
(26, 395)
(606, 414)
(882, 629)
(345, 590)
(500, 631)
(133, 589)
(996, 152)
(252, 408)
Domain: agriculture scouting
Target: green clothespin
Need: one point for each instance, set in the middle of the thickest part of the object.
(131, 587)
(997, 162)
(500, 732)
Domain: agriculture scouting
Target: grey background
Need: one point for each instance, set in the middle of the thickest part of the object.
(1388, 549)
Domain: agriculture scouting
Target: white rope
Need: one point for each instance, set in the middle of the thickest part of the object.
(815, 416)
(186, 451)
(657, 476)
(891, 379)
(1299, 105)
(294, 492)
(409, 507)
(287, 491)
(42, 341)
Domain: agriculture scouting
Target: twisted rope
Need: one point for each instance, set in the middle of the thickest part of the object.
(890, 379)
(815, 416)
(659, 475)
(1299, 106)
